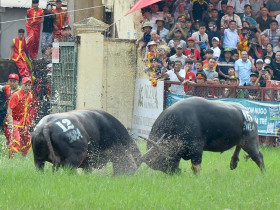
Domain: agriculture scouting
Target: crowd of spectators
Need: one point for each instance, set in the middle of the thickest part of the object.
(235, 42)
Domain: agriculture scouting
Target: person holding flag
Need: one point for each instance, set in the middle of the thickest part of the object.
(35, 16)
(18, 53)
(17, 129)
(61, 19)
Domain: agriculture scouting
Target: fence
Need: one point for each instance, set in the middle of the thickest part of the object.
(227, 91)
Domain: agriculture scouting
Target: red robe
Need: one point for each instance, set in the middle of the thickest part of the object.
(33, 31)
(19, 57)
(60, 18)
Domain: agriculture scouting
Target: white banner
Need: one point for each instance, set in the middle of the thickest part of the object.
(148, 104)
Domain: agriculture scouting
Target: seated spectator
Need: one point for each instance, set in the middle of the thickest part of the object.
(225, 63)
(155, 11)
(231, 39)
(215, 48)
(146, 38)
(228, 18)
(273, 33)
(276, 67)
(277, 48)
(201, 39)
(199, 9)
(163, 32)
(210, 71)
(264, 20)
(243, 68)
(192, 52)
(249, 17)
(179, 55)
(213, 31)
(269, 52)
(177, 75)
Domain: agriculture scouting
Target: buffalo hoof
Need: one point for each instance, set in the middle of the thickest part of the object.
(233, 163)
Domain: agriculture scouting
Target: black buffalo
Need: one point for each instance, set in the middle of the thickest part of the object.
(194, 125)
(85, 139)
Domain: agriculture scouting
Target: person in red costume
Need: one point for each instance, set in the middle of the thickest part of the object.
(35, 16)
(17, 54)
(61, 19)
(17, 130)
(10, 87)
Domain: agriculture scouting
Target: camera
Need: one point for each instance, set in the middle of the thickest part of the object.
(214, 26)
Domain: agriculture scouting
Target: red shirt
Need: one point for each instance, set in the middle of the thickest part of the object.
(35, 16)
(196, 54)
(189, 75)
(8, 92)
(20, 103)
(19, 46)
(60, 16)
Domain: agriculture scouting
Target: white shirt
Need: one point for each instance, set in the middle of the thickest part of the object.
(203, 38)
(278, 20)
(177, 89)
(217, 52)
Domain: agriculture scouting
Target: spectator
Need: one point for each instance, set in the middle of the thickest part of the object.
(259, 70)
(155, 11)
(231, 39)
(201, 78)
(244, 40)
(273, 7)
(169, 22)
(224, 63)
(213, 31)
(190, 75)
(17, 130)
(201, 39)
(17, 53)
(10, 88)
(210, 71)
(243, 68)
(198, 67)
(235, 55)
(178, 28)
(207, 15)
(189, 28)
(215, 48)
(267, 74)
(276, 67)
(215, 18)
(47, 53)
(47, 32)
(208, 55)
(163, 32)
(154, 69)
(67, 34)
(180, 11)
(228, 18)
(273, 33)
(264, 42)
(269, 52)
(277, 48)
(61, 19)
(223, 8)
(256, 6)
(199, 9)
(150, 53)
(263, 21)
(179, 55)
(35, 16)
(146, 38)
(255, 50)
(191, 52)
(174, 43)
(247, 13)
(149, 18)
(177, 75)
(165, 11)
(239, 6)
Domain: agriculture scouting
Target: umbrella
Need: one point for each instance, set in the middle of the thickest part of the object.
(141, 4)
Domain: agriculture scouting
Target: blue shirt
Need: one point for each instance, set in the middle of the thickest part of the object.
(244, 71)
(230, 39)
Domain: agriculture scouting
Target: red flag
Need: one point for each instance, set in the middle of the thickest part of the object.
(141, 4)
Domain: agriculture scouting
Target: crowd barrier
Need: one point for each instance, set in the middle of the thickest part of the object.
(216, 91)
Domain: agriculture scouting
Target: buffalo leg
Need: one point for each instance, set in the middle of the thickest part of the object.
(196, 162)
(256, 156)
(235, 158)
(74, 161)
(39, 164)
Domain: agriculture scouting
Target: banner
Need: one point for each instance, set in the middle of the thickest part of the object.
(148, 104)
(266, 114)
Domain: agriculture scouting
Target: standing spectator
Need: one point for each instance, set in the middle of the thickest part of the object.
(273, 7)
(149, 18)
(224, 63)
(10, 88)
(169, 22)
(243, 68)
(213, 30)
(177, 75)
(17, 130)
(277, 48)
(35, 16)
(276, 67)
(264, 42)
(215, 48)
(210, 71)
(47, 32)
(67, 34)
(199, 9)
(17, 53)
(222, 9)
(173, 45)
(214, 18)
(146, 38)
(264, 20)
(201, 39)
(61, 19)
(247, 13)
(226, 19)
(192, 52)
(163, 32)
(273, 33)
(256, 6)
(180, 11)
(179, 56)
(231, 39)
(155, 11)
(239, 6)
(179, 26)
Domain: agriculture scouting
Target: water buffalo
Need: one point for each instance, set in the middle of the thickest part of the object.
(194, 125)
(85, 139)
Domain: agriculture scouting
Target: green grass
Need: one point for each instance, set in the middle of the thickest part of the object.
(217, 187)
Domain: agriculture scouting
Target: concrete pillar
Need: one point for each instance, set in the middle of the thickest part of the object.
(98, 13)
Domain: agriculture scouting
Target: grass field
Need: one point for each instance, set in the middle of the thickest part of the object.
(217, 187)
